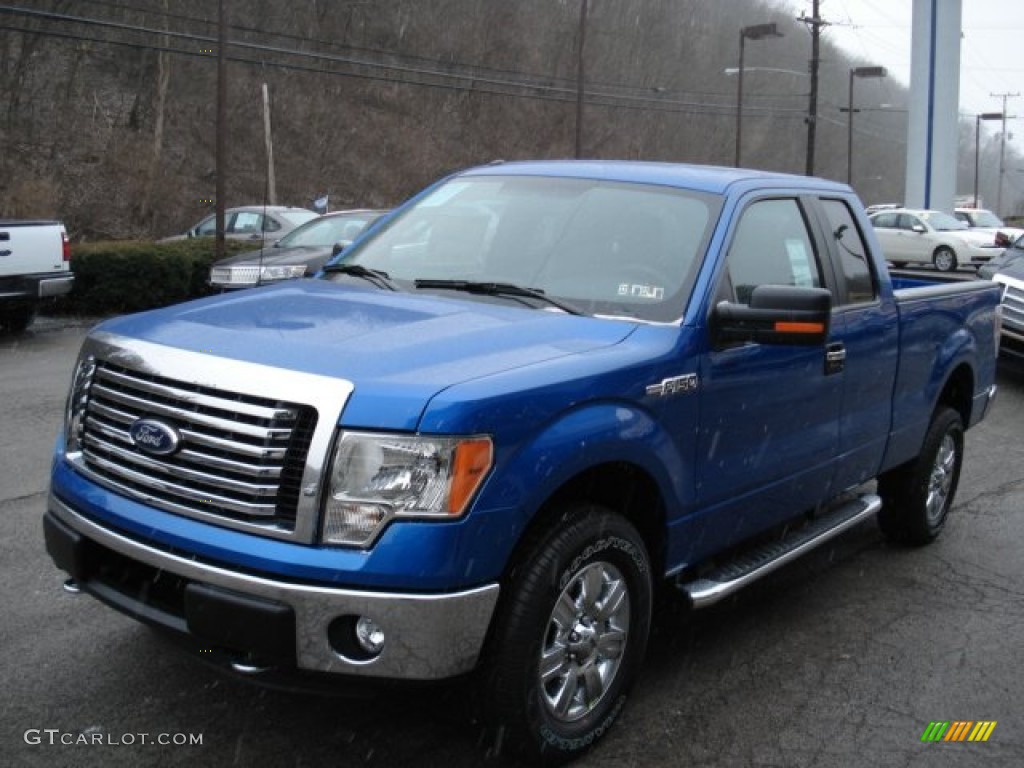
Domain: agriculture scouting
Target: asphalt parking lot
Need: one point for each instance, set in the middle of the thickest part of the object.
(841, 659)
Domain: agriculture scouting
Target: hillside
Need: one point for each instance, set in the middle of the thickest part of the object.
(109, 107)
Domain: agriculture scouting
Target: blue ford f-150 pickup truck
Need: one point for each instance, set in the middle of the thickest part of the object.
(514, 408)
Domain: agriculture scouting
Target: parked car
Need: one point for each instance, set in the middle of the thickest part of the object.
(1010, 256)
(981, 220)
(931, 237)
(299, 253)
(251, 222)
(35, 263)
(875, 208)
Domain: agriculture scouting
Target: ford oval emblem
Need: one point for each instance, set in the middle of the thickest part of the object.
(154, 437)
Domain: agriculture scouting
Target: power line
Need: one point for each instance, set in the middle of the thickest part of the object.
(396, 73)
(471, 70)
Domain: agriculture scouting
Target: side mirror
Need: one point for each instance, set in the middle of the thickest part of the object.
(919, 228)
(777, 314)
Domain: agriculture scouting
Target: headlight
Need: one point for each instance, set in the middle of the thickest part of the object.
(78, 397)
(282, 273)
(377, 477)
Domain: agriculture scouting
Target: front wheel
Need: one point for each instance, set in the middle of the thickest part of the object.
(916, 497)
(944, 259)
(570, 637)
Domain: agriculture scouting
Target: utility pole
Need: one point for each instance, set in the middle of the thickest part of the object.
(1002, 150)
(814, 23)
(222, 127)
(580, 78)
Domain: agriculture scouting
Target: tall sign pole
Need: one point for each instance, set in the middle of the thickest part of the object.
(933, 127)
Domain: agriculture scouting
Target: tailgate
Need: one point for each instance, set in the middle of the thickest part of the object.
(31, 248)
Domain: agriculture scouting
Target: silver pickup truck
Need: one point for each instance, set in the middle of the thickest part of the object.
(35, 263)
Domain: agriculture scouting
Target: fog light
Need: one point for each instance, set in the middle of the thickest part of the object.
(370, 636)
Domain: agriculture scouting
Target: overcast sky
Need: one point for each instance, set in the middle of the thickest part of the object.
(991, 53)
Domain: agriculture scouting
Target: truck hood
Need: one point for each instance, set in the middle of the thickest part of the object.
(397, 349)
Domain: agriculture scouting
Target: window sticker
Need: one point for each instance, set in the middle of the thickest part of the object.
(800, 263)
(640, 291)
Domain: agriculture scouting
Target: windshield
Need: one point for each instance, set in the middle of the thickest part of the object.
(943, 221)
(984, 219)
(606, 248)
(326, 231)
(298, 216)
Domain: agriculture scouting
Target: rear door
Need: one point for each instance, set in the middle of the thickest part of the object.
(769, 414)
(863, 348)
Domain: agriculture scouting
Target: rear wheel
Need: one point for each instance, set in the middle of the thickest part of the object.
(570, 637)
(944, 259)
(916, 497)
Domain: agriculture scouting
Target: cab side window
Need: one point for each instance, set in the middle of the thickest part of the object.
(858, 280)
(771, 246)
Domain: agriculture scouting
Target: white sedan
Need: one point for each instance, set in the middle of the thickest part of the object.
(930, 237)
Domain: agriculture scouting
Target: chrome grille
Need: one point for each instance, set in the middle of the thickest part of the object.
(235, 275)
(1013, 308)
(241, 457)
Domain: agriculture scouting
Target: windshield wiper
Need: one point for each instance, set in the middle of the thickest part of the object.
(498, 289)
(378, 277)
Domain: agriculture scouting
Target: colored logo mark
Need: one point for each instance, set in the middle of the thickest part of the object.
(959, 730)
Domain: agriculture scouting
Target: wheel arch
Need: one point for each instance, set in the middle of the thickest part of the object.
(620, 486)
(958, 393)
(610, 453)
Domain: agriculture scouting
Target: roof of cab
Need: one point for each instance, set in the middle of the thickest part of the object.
(703, 178)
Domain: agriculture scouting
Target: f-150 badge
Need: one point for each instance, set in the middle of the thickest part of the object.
(675, 385)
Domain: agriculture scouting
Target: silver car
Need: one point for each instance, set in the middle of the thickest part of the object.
(300, 253)
(251, 222)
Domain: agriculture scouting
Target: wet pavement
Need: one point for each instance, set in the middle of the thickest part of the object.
(840, 659)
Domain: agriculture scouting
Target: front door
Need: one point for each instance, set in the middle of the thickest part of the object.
(769, 414)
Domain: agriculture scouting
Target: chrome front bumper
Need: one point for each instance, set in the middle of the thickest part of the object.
(428, 636)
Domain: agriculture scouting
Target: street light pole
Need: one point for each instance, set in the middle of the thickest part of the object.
(855, 73)
(977, 145)
(754, 32)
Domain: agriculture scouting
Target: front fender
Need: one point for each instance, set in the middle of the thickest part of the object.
(586, 437)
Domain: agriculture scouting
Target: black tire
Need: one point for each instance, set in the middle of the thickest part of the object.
(944, 259)
(17, 319)
(581, 598)
(917, 496)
